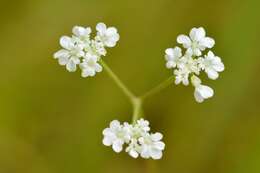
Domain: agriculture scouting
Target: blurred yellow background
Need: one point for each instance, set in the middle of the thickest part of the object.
(51, 121)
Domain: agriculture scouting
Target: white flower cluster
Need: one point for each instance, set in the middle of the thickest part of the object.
(136, 136)
(192, 62)
(81, 50)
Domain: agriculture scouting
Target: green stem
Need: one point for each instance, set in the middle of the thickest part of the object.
(119, 83)
(158, 88)
(136, 101)
(137, 105)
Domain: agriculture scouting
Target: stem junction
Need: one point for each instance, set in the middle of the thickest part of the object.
(136, 101)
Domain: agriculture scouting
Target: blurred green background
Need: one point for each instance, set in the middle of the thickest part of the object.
(51, 121)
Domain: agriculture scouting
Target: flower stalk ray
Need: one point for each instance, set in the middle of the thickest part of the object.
(158, 88)
(119, 83)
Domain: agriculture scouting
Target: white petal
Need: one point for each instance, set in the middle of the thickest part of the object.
(66, 42)
(145, 153)
(106, 131)
(87, 72)
(173, 53)
(177, 81)
(156, 154)
(219, 67)
(198, 97)
(101, 27)
(117, 146)
(170, 64)
(196, 34)
(116, 37)
(133, 153)
(185, 40)
(169, 56)
(81, 31)
(71, 66)
(205, 91)
(212, 74)
(207, 42)
(106, 141)
(111, 40)
(111, 31)
(169, 52)
(114, 124)
(177, 52)
(61, 53)
(215, 59)
(110, 43)
(160, 145)
(90, 72)
(146, 129)
(63, 60)
(185, 81)
(98, 67)
(210, 54)
(157, 136)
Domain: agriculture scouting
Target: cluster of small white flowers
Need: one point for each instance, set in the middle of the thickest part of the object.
(137, 137)
(80, 50)
(192, 62)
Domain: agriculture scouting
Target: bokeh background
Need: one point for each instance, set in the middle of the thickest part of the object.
(51, 121)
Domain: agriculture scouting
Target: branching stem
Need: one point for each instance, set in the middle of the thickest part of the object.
(136, 101)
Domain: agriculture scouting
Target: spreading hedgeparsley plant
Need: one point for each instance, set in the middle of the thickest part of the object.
(81, 51)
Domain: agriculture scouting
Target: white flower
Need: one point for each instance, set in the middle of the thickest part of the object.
(81, 50)
(212, 65)
(193, 62)
(188, 64)
(97, 47)
(70, 54)
(137, 137)
(172, 56)
(81, 32)
(108, 36)
(133, 148)
(140, 128)
(82, 36)
(152, 146)
(197, 41)
(143, 125)
(116, 135)
(201, 92)
(181, 76)
(90, 66)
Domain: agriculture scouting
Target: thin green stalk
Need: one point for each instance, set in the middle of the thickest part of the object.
(158, 88)
(136, 102)
(119, 83)
(137, 106)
